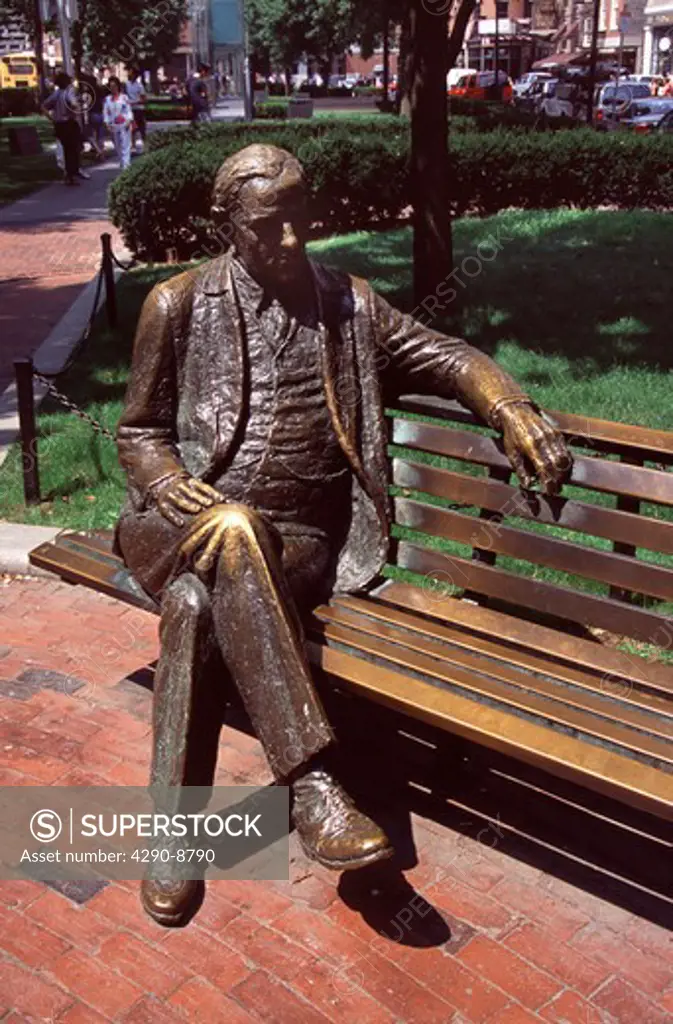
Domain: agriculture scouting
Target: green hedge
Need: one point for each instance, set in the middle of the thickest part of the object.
(167, 110)
(486, 115)
(272, 110)
(225, 133)
(360, 178)
(18, 102)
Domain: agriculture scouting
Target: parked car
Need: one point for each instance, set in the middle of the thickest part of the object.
(530, 83)
(480, 85)
(665, 126)
(613, 102)
(561, 100)
(645, 116)
(644, 79)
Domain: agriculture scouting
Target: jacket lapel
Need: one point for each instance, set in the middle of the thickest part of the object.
(225, 347)
(342, 389)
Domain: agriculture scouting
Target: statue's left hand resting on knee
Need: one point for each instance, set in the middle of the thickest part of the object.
(254, 442)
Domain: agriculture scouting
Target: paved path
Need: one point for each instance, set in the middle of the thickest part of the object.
(49, 249)
(469, 933)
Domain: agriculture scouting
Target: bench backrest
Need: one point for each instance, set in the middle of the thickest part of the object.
(599, 556)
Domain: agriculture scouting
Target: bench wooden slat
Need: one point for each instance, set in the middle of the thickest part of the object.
(621, 691)
(96, 540)
(553, 552)
(587, 431)
(538, 595)
(593, 473)
(522, 684)
(103, 573)
(603, 770)
(519, 634)
(425, 656)
(485, 492)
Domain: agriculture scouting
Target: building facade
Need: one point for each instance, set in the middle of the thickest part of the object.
(511, 34)
(658, 38)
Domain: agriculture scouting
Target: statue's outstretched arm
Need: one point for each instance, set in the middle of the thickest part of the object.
(421, 359)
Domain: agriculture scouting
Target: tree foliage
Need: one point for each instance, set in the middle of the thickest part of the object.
(130, 32)
(281, 32)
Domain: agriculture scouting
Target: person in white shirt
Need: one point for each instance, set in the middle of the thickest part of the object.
(135, 90)
(118, 118)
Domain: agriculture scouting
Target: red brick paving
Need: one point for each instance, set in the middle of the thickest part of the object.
(49, 249)
(524, 946)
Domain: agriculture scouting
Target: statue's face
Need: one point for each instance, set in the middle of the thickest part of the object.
(271, 228)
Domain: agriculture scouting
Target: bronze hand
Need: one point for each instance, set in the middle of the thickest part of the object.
(534, 447)
(184, 494)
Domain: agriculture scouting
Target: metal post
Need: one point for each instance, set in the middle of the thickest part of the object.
(23, 372)
(386, 59)
(248, 92)
(64, 32)
(39, 49)
(109, 277)
(593, 62)
(145, 239)
(496, 47)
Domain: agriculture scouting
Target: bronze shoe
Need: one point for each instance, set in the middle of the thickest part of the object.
(331, 830)
(171, 902)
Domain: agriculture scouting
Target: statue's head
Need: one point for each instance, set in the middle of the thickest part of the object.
(260, 193)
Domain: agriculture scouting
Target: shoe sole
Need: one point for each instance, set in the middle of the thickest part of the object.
(348, 865)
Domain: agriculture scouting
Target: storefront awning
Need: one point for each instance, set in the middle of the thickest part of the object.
(561, 60)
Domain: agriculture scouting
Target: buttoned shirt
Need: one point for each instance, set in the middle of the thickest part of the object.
(288, 463)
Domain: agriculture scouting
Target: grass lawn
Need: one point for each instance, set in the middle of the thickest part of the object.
(574, 305)
(20, 175)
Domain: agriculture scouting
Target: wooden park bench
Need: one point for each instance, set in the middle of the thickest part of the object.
(514, 658)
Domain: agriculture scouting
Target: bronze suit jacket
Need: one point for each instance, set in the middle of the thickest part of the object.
(187, 387)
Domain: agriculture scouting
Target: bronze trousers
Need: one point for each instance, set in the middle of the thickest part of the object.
(243, 616)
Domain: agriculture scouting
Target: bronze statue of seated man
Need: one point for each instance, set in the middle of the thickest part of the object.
(254, 442)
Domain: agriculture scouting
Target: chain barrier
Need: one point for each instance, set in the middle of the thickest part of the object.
(84, 337)
(123, 266)
(72, 406)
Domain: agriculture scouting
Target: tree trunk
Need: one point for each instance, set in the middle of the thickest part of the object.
(386, 57)
(77, 47)
(404, 67)
(433, 251)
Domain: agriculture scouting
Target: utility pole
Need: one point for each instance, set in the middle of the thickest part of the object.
(624, 25)
(38, 40)
(496, 55)
(386, 56)
(64, 31)
(248, 96)
(593, 62)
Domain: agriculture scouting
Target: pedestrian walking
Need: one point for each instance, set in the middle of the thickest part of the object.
(93, 95)
(198, 94)
(118, 118)
(135, 90)
(63, 107)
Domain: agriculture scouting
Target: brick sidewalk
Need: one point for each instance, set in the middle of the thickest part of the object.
(49, 249)
(470, 934)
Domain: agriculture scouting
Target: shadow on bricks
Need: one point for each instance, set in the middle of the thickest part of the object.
(402, 771)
